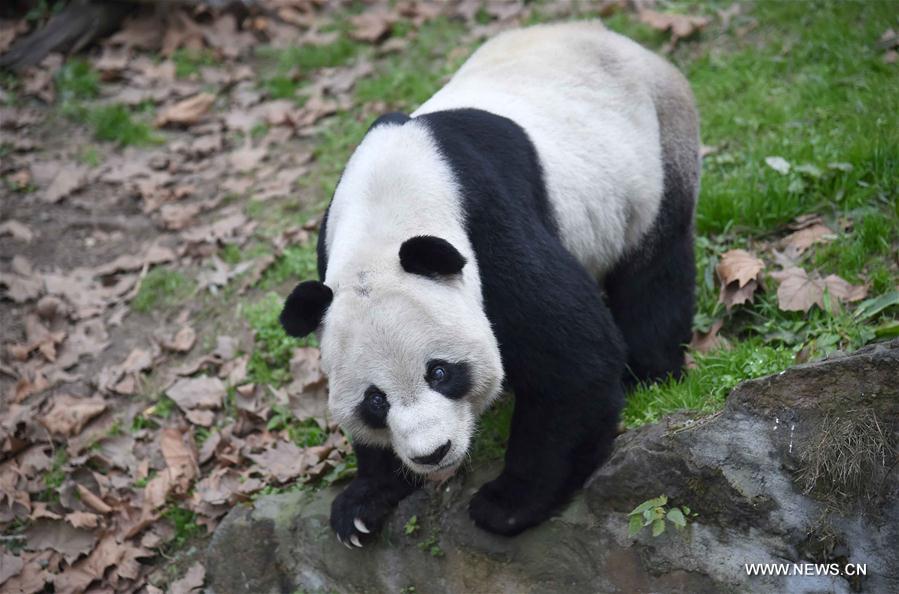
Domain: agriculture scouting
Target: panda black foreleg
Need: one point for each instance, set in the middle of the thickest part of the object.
(380, 484)
(565, 368)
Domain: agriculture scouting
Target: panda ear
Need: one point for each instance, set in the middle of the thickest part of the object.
(305, 307)
(430, 256)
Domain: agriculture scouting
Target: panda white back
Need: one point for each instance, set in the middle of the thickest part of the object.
(587, 98)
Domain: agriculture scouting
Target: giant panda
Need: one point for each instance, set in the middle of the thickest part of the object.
(529, 226)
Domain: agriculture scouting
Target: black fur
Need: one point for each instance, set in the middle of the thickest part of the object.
(651, 292)
(561, 351)
(305, 307)
(376, 418)
(457, 382)
(381, 483)
(430, 256)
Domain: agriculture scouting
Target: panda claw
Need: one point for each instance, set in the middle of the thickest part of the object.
(360, 526)
(346, 544)
(355, 540)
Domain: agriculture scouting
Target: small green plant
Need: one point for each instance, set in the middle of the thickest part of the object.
(54, 477)
(303, 433)
(77, 81)
(90, 156)
(411, 526)
(657, 513)
(188, 62)
(270, 360)
(432, 545)
(161, 288)
(185, 524)
(115, 123)
(164, 407)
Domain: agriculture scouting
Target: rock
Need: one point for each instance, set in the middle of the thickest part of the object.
(800, 467)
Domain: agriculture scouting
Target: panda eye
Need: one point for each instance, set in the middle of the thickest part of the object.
(376, 400)
(437, 372)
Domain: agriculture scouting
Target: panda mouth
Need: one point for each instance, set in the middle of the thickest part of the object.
(443, 473)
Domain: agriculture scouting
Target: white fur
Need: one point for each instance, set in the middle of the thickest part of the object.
(385, 324)
(585, 96)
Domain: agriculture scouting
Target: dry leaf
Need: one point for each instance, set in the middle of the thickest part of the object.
(10, 566)
(68, 415)
(799, 292)
(80, 519)
(738, 272)
(191, 582)
(197, 392)
(183, 340)
(372, 26)
(703, 342)
(61, 537)
(186, 112)
(283, 462)
(799, 241)
(680, 25)
(180, 456)
(247, 158)
(16, 230)
(67, 179)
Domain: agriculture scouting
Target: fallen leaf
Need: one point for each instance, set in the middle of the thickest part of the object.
(67, 179)
(703, 342)
(739, 275)
(778, 164)
(247, 158)
(180, 456)
(192, 581)
(197, 392)
(92, 500)
(372, 26)
(63, 538)
(798, 291)
(10, 565)
(17, 230)
(186, 112)
(68, 414)
(681, 26)
(799, 241)
(80, 519)
(283, 462)
(183, 340)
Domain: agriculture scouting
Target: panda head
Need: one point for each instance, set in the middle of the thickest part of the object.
(410, 356)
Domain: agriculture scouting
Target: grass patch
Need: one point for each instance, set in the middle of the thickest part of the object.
(288, 68)
(162, 288)
(303, 433)
(297, 263)
(188, 62)
(270, 361)
(77, 81)
(116, 123)
(704, 388)
(864, 252)
(186, 527)
(54, 477)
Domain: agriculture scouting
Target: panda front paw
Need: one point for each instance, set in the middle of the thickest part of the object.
(508, 506)
(359, 512)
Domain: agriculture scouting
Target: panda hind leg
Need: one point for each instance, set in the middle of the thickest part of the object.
(652, 301)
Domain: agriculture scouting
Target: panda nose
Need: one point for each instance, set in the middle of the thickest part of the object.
(434, 457)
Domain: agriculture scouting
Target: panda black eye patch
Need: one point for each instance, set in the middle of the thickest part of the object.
(373, 408)
(453, 380)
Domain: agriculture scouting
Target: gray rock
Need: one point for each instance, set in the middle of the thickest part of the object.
(745, 471)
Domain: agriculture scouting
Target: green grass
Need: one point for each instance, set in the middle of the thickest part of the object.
(297, 263)
(186, 527)
(807, 85)
(270, 360)
(287, 69)
(116, 123)
(162, 288)
(864, 252)
(305, 433)
(77, 81)
(189, 62)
